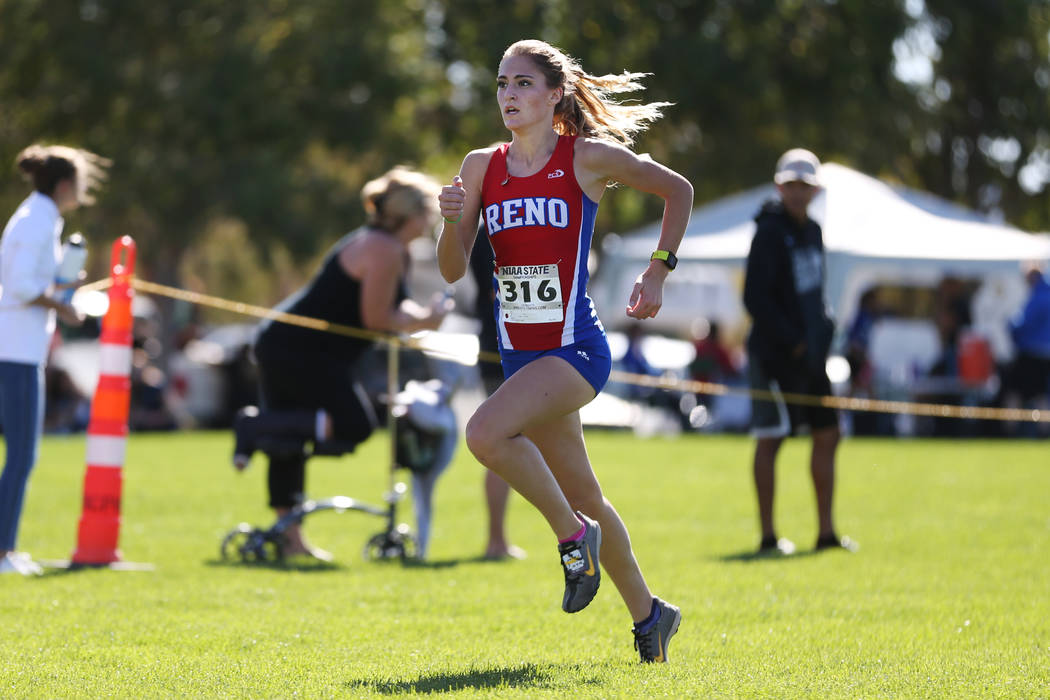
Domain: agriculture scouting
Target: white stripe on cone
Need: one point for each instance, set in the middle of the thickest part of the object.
(105, 451)
(114, 360)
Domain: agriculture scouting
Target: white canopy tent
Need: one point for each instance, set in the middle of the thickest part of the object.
(873, 234)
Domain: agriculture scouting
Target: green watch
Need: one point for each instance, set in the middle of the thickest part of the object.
(666, 257)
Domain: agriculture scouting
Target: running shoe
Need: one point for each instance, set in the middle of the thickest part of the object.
(579, 559)
(651, 641)
(10, 565)
(833, 541)
(27, 561)
(16, 563)
(773, 545)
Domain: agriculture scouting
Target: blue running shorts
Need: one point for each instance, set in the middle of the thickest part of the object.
(590, 357)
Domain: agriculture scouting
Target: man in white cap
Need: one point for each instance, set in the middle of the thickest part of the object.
(788, 345)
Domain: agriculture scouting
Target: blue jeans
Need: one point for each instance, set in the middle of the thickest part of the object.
(22, 418)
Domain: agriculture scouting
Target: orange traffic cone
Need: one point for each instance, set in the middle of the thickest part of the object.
(107, 431)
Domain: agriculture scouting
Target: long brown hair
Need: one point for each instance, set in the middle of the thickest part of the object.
(585, 107)
(46, 166)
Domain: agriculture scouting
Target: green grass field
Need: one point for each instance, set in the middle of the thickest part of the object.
(948, 596)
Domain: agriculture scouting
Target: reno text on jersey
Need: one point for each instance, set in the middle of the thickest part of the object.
(527, 211)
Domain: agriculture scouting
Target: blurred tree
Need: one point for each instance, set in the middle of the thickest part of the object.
(269, 112)
(979, 132)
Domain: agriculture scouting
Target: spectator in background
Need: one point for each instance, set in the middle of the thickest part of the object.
(307, 383)
(858, 346)
(712, 362)
(1028, 377)
(949, 327)
(953, 298)
(150, 405)
(789, 342)
(951, 315)
(497, 491)
(634, 361)
(66, 408)
(62, 178)
(858, 339)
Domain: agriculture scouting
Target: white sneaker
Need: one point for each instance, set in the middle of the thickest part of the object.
(28, 563)
(12, 563)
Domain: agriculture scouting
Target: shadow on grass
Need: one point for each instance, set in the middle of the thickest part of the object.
(527, 676)
(300, 565)
(314, 565)
(61, 567)
(751, 556)
(448, 563)
(431, 563)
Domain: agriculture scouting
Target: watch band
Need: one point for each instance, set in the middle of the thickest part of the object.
(666, 257)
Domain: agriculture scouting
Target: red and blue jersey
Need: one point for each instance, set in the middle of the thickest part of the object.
(540, 228)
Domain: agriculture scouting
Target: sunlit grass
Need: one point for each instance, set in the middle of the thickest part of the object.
(947, 597)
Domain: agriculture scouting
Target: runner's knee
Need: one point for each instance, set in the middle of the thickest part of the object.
(482, 440)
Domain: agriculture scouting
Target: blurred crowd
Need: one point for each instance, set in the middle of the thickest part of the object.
(968, 368)
(199, 383)
(939, 352)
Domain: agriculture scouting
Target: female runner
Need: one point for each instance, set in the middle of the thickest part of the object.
(538, 196)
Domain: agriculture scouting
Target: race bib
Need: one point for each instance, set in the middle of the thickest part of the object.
(530, 294)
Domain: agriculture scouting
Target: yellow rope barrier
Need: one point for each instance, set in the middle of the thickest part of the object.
(668, 383)
(96, 286)
(263, 312)
(841, 402)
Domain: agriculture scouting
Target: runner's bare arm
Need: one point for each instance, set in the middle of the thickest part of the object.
(460, 206)
(600, 162)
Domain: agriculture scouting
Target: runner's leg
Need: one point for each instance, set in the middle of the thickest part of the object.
(561, 443)
(537, 393)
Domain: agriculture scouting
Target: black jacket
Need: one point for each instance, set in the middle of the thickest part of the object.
(784, 291)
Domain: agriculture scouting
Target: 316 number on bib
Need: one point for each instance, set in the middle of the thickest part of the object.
(530, 294)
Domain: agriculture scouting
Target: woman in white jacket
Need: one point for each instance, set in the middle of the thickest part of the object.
(30, 252)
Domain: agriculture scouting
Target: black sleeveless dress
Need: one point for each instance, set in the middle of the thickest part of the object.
(313, 369)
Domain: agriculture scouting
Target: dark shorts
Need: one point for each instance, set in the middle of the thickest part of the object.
(775, 417)
(1029, 376)
(591, 358)
(315, 381)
